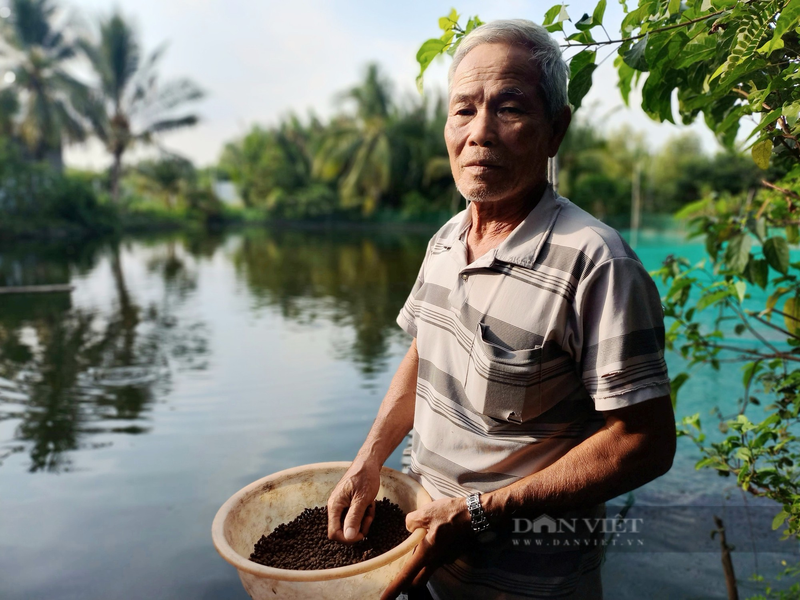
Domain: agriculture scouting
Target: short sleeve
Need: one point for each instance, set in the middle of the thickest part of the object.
(622, 322)
(407, 319)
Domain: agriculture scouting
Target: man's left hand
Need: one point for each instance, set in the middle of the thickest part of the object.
(449, 528)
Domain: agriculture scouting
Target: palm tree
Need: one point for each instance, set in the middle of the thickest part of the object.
(357, 150)
(273, 161)
(168, 178)
(9, 106)
(129, 105)
(37, 45)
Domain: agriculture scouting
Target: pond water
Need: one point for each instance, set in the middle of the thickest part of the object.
(183, 367)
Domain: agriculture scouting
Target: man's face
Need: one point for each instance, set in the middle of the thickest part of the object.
(498, 134)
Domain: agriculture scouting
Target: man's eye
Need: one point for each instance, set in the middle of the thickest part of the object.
(510, 110)
(463, 112)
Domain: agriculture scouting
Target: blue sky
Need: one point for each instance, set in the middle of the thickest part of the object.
(260, 60)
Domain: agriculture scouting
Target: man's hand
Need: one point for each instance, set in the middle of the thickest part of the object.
(356, 492)
(449, 528)
(358, 488)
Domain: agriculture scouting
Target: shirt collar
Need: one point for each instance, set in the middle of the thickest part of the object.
(522, 245)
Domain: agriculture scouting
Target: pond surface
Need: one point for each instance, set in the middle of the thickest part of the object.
(183, 367)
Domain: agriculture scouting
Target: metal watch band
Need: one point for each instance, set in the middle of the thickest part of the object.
(479, 520)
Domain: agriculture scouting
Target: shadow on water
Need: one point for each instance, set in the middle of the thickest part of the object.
(68, 373)
(355, 280)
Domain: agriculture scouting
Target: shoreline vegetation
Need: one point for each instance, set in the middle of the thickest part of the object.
(380, 160)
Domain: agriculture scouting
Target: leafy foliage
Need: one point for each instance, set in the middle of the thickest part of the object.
(451, 37)
(745, 251)
(726, 59)
(35, 198)
(36, 43)
(373, 155)
(129, 105)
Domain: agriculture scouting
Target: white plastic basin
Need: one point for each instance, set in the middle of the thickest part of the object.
(260, 507)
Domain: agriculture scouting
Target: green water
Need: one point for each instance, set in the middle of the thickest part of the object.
(182, 368)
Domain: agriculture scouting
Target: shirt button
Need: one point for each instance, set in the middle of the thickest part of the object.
(464, 276)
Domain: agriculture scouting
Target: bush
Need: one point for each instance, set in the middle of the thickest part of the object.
(35, 199)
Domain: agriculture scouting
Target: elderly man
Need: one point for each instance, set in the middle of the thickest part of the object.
(536, 382)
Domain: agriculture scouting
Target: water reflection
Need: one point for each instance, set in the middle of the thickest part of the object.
(67, 372)
(357, 281)
(75, 372)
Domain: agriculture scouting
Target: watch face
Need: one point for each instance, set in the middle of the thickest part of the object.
(484, 537)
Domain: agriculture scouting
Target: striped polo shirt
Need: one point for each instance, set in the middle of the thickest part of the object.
(518, 352)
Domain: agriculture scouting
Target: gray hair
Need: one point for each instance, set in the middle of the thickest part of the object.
(545, 53)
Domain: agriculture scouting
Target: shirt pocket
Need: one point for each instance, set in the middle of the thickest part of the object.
(503, 384)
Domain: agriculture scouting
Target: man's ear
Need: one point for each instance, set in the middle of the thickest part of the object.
(560, 126)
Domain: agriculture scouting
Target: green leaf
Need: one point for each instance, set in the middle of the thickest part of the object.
(766, 120)
(554, 18)
(787, 20)
(761, 228)
(625, 79)
(472, 24)
(657, 95)
(599, 12)
(702, 48)
(776, 251)
(678, 285)
(674, 7)
(757, 272)
(551, 15)
(792, 234)
(761, 153)
(429, 50)
(771, 45)
(774, 297)
(709, 299)
(750, 369)
(705, 462)
(791, 317)
(585, 23)
(675, 384)
(779, 519)
(634, 57)
(741, 289)
(581, 68)
(425, 55)
(738, 252)
(582, 37)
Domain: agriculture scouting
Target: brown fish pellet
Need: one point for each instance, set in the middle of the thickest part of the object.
(303, 544)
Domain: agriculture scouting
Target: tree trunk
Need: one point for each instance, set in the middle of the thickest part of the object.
(55, 158)
(727, 562)
(129, 312)
(116, 174)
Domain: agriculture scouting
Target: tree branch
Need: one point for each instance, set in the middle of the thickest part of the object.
(783, 191)
(641, 35)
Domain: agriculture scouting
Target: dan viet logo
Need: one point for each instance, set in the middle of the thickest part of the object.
(612, 531)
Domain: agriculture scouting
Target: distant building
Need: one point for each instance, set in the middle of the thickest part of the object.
(226, 192)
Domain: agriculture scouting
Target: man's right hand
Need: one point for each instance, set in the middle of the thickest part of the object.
(356, 492)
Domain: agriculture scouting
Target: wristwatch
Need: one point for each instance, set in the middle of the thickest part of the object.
(480, 524)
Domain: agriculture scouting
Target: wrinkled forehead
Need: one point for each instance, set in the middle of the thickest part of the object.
(501, 66)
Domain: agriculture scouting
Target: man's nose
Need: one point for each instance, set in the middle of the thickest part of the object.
(483, 130)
